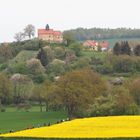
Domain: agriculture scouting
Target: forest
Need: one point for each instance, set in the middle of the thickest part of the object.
(83, 34)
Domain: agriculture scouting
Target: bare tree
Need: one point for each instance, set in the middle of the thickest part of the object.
(29, 31)
(19, 36)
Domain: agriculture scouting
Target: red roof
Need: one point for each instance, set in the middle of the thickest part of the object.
(104, 44)
(50, 31)
(90, 43)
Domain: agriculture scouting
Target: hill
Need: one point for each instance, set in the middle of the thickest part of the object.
(98, 127)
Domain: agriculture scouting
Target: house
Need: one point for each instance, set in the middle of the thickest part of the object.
(104, 45)
(96, 46)
(91, 45)
(50, 35)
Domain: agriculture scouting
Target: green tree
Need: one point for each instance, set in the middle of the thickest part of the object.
(42, 57)
(34, 67)
(125, 48)
(47, 27)
(38, 95)
(77, 90)
(77, 48)
(68, 38)
(123, 99)
(6, 53)
(135, 90)
(137, 50)
(45, 55)
(56, 67)
(59, 52)
(5, 89)
(117, 49)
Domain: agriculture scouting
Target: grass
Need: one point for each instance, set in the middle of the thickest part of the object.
(90, 54)
(19, 120)
(90, 128)
(34, 108)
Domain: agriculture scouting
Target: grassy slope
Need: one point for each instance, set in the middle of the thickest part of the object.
(21, 120)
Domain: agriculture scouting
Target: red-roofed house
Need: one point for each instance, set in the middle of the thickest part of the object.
(50, 35)
(104, 45)
(91, 45)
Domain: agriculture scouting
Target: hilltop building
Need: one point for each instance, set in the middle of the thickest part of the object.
(50, 35)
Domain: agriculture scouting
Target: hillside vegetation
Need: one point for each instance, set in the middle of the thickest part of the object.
(67, 77)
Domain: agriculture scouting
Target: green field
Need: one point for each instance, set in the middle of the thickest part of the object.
(90, 54)
(14, 120)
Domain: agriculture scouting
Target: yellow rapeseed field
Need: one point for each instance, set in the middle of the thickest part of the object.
(98, 127)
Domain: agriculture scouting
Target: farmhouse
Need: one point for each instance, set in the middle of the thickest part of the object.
(104, 45)
(91, 45)
(94, 45)
(50, 35)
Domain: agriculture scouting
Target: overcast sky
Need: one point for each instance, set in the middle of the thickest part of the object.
(66, 14)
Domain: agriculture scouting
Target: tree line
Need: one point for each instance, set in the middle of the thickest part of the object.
(82, 93)
(82, 34)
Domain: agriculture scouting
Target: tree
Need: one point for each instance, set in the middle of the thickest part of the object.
(76, 90)
(122, 48)
(124, 101)
(59, 52)
(82, 62)
(5, 53)
(135, 90)
(117, 49)
(45, 55)
(5, 88)
(34, 67)
(68, 38)
(56, 67)
(47, 27)
(118, 101)
(23, 86)
(42, 57)
(38, 95)
(124, 63)
(19, 36)
(36, 70)
(125, 48)
(77, 48)
(70, 56)
(137, 50)
(29, 31)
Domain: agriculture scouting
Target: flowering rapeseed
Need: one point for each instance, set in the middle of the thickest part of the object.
(98, 127)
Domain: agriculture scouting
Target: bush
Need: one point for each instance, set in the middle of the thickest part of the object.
(2, 109)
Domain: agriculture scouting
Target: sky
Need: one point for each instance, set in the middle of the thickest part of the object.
(66, 14)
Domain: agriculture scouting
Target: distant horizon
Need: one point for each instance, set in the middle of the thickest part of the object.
(36, 29)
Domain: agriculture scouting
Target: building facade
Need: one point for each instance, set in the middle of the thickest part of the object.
(50, 35)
